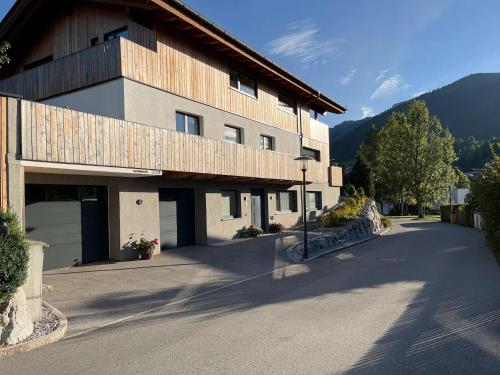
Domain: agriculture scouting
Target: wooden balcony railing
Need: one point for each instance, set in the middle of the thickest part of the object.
(53, 134)
(81, 69)
(335, 176)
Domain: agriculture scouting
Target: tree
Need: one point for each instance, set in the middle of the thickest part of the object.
(415, 156)
(4, 58)
(363, 172)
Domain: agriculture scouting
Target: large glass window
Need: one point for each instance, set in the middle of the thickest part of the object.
(315, 154)
(287, 104)
(242, 83)
(229, 204)
(121, 32)
(232, 134)
(313, 200)
(266, 142)
(185, 123)
(286, 201)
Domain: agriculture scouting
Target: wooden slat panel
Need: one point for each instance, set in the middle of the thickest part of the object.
(3, 152)
(81, 138)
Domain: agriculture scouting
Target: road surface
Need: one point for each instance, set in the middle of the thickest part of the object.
(423, 299)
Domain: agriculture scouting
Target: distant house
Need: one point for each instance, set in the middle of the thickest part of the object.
(144, 119)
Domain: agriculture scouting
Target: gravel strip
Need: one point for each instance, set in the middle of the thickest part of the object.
(47, 324)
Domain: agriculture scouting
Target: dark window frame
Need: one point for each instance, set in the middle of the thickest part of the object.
(311, 152)
(239, 132)
(236, 214)
(287, 104)
(186, 116)
(271, 141)
(318, 200)
(236, 73)
(292, 201)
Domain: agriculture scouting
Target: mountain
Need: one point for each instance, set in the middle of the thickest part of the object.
(467, 107)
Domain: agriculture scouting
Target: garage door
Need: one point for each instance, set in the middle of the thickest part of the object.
(73, 220)
(176, 218)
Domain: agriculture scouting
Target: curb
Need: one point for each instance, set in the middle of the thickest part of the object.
(38, 342)
(343, 247)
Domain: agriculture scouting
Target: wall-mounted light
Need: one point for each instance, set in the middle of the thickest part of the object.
(138, 202)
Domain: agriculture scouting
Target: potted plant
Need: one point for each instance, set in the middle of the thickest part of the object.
(276, 228)
(145, 248)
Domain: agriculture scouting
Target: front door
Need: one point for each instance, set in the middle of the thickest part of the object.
(258, 208)
(176, 218)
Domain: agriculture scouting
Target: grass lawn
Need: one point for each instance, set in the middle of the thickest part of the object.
(414, 217)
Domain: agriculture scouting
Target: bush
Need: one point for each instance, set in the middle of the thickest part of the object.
(386, 222)
(276, 228)
(251, 231)
(486, 194)
(14, 255)
(342, 214)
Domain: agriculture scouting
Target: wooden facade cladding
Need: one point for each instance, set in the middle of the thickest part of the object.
(52, 134)
(335, 176)
(3, 152)
(85, 68)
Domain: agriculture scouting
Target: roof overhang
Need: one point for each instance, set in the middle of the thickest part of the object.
(19, 22)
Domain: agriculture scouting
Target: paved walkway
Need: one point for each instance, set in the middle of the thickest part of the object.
(423, 299)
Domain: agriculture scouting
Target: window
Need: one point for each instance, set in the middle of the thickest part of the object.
(266, 142)
(121, 32)
(313, 200)
(315, 154)
(232, 134)
(94, 41)
(286, 201)
(185, 123)
(242, 83)
(229, 204)
(39, 62)
(287, 104)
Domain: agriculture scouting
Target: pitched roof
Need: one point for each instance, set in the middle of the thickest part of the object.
(18, 24)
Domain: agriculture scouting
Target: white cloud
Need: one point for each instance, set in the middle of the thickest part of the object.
(302, 42)
(381, 75)
(347, 77)
(367, 111)
(390, 86)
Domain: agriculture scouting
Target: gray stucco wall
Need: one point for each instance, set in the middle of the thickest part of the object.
(105, 99)
(147, 105)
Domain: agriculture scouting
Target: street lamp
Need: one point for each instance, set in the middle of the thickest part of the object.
(304, 159)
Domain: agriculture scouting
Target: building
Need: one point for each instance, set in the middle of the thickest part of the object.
(144, 119)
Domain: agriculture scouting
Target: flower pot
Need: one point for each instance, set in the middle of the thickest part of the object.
(146, 256)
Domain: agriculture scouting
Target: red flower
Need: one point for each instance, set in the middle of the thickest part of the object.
(147, 243)
(156, 241)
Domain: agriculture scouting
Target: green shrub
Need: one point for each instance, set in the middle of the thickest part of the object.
(276, 228)
(14, 255)
(386, 222)
(486, 193)
(251, 231)
(341, 215)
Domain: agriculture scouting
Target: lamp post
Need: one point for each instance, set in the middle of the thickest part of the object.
(304, 159)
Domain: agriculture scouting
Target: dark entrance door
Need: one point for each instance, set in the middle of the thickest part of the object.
(73, 220)
(176, 218)
(258, 208)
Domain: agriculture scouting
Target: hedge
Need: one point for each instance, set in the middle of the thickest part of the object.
(14, 255)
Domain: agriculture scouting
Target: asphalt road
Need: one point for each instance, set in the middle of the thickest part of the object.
(423, 299)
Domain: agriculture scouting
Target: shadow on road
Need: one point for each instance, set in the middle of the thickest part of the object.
(454, 316)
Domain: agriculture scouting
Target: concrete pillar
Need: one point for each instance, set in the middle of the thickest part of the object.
(134, 213)
(33, 285)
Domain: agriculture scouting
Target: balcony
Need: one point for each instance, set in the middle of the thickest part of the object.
(85, 68)
(57, 135)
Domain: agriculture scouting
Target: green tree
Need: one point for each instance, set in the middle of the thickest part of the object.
(364, 171)
(4, 58)
(415, 156)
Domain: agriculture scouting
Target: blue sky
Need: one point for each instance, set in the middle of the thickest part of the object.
(368, 55)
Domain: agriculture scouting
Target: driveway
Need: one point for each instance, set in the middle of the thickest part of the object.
(94, 295)
(423, 299)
